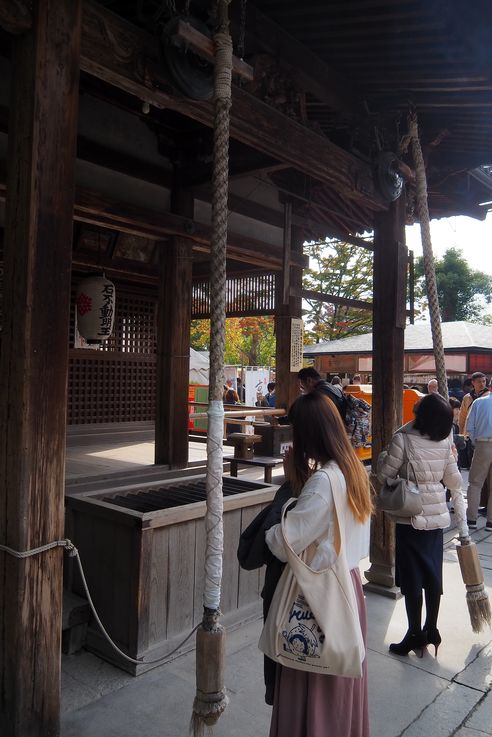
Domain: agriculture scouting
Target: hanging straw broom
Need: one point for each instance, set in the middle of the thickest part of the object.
(476, 595)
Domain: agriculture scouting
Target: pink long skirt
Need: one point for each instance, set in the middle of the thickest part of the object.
(316, 705)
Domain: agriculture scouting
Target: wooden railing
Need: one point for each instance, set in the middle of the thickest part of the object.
(238, 416)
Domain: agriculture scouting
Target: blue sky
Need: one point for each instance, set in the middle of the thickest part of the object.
(472, 237)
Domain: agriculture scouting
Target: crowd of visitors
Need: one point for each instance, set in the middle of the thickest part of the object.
(319, 519)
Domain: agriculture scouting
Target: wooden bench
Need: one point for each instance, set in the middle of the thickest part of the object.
(267, 462)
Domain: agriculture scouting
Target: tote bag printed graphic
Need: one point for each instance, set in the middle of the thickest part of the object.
(313, 621)
(302, 636)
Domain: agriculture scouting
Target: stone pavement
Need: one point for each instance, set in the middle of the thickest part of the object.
(428, 697)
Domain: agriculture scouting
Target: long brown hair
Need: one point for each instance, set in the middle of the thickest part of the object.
(319, 437)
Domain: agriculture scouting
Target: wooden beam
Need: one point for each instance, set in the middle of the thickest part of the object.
(128, 58)
(173, 341)
(98, 209)
(308, 71)
(204, 46)
(173, 354)
(15, 16)
(390, 269)
(124, 163)
(246, 163)
(266, 214)
(34, 362)
(287, 388)
(287, 251)
(334, 300)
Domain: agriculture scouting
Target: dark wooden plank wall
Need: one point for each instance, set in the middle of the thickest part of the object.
(33, 364)
(147, 581)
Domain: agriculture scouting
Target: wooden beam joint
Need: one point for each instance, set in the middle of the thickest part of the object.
(204, 47)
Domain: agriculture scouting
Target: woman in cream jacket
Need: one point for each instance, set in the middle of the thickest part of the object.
(308, 704)
(422, 450)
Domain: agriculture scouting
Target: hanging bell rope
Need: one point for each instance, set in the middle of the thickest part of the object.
(211, 698)
(422, 208)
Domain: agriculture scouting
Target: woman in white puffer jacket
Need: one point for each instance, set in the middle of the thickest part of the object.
(422, 450)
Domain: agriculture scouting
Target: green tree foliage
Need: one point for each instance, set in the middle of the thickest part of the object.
(200, 335)
(249, 341)
(462, 291)
(342, 270)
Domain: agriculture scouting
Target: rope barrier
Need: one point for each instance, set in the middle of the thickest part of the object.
(42, 549)
(74, 553)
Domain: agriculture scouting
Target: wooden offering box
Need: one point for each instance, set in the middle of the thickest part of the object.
(143, 553)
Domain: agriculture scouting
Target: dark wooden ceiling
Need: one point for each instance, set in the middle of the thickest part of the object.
(435, 54)
(350, 69)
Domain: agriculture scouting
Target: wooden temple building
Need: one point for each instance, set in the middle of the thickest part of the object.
(467, 348)
(105, 165)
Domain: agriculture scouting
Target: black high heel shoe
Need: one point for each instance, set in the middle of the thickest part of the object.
(433, 638)
(415, 641)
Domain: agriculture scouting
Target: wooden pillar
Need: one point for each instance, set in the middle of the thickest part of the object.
(390, 268)
(287, 384)
(33, 363)
(173, 343)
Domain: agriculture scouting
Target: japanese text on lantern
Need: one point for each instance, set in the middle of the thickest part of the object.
(106, 309)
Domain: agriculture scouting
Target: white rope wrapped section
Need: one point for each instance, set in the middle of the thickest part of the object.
(429, 269)
(220, 186)
(215, 506)
(211, 696)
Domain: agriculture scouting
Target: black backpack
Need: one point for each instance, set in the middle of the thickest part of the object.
(336, 394)
(358, 421)
(355, 413)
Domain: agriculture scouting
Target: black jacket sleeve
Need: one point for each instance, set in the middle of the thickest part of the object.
(252, 551)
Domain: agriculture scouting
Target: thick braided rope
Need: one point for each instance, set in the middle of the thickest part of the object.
(220, 182)
(429, 270)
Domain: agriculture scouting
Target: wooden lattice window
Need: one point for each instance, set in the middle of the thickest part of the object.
(245, 296)
(116, 382)
(103, 388)
(134, 328)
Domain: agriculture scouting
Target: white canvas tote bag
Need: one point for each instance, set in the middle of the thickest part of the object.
(313, 621)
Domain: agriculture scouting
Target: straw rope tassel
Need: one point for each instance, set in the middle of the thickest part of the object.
(476, 596)
(211, 698)
(422, 207)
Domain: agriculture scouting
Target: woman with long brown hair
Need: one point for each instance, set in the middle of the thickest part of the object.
(308, 704)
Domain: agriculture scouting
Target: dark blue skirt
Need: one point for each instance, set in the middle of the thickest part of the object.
(418, 560)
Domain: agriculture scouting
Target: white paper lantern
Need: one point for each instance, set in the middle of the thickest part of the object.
(95, 300)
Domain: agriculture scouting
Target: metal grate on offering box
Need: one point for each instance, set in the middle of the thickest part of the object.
(177, 494)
